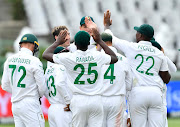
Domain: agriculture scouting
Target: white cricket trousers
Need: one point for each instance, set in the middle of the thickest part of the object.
(113, 111)
(125, 117)
(146, 107)
(87, 111)
(28, 113)
(165, 105)
(57, 117)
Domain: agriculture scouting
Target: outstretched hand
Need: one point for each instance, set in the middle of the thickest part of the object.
(67, 107)
(107, 18)
(61, 37)
(128, 122)
(89, 23)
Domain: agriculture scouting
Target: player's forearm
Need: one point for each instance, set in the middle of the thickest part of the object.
(165, 76)
(49, 52)
(108, 51)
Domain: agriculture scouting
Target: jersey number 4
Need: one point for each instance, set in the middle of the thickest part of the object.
(22, 77)
(111, 76)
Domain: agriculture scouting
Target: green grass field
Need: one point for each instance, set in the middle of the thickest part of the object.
(171, 123)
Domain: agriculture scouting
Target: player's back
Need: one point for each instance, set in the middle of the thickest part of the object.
(84, 70)
(55, 75)
(114, 77)
(21, 68)
(145, 61)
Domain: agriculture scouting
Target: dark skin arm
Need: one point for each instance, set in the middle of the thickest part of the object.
(97, 38)
(165, 76)
(49, 52)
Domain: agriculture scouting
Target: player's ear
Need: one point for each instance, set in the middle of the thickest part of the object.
(55, 37)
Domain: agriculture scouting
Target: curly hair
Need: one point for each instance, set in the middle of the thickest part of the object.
(56, 30)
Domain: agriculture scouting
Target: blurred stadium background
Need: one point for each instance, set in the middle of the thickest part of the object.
(18, 17)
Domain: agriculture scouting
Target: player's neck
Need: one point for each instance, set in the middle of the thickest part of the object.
(108, 43)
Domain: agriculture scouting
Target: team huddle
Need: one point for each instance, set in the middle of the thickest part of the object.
(89, 83)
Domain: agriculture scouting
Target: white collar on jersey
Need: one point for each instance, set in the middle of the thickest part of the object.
(83, 52)
(145, 42)
(26, 50)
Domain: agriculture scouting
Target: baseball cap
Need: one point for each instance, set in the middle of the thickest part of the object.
(83, 20)
(82, 38)
(146, 30)
(60, 49)
(29, 38)
(106, 37)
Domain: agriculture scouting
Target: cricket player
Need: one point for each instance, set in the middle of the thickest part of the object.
(149, 68)
(117, 77)
(84, 27)
(58, 94)
(171, 69)
(55, 32)
(83, 72)
(23, 77)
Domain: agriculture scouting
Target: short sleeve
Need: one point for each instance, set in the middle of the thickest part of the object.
(164, 65)
(120, 44)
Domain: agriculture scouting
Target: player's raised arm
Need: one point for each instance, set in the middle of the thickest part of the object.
(97, 38)
(107, 21)
(49, 52)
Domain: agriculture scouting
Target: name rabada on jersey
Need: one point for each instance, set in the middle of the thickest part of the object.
(146, 48)
(19, 60)
(84, 59)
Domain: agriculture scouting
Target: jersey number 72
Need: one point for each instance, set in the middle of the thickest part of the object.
(22, 77)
